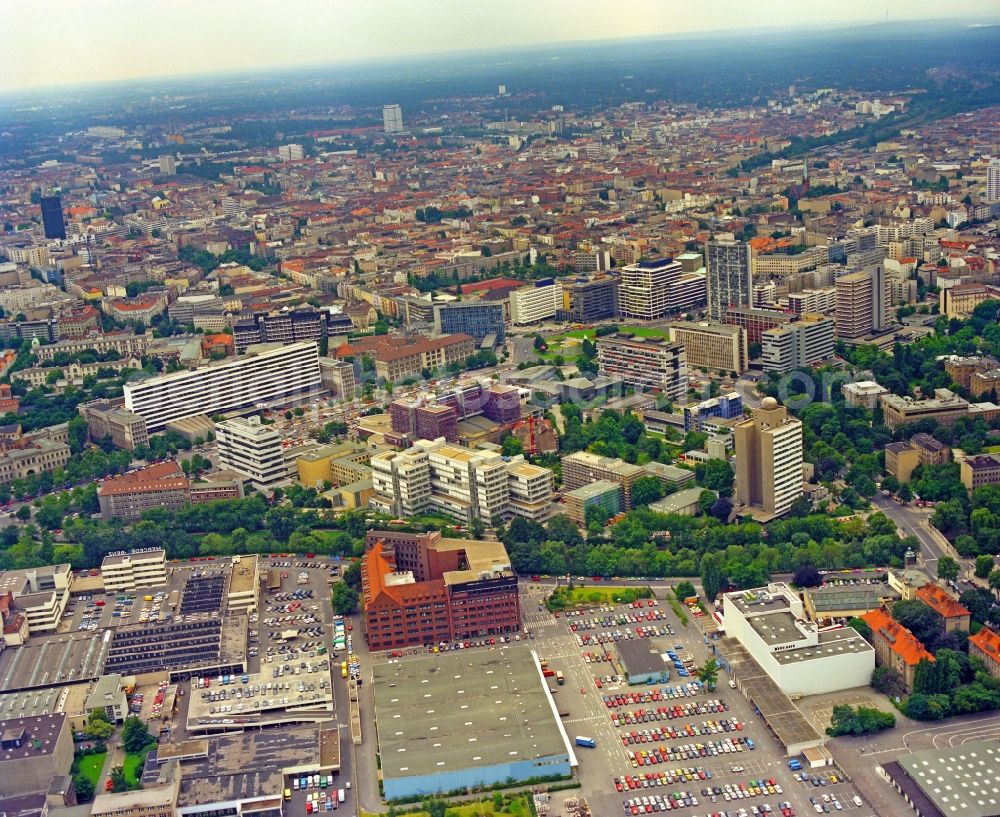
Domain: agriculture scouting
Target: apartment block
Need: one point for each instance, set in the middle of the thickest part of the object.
(769, 459)
(252, 449)
(797, 345)
(712, 345)
(854, 305)
(902, 458)
(954, 615)
(268, 375)
(460, 482)
(128, 571)
(985, 645)
(532, 304)
(419, 589)
(983, 469)
(647, 363)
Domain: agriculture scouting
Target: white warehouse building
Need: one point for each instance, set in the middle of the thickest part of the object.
(799, 657)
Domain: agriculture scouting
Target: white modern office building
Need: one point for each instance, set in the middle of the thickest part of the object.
(138, 568)
(392, 119)
(655, 289)
(268, 375)
(770, 624)
(532, 304)
(795, 345)
(252, 449)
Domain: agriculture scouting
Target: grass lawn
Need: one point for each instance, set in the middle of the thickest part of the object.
(91, 765)
(992, 449)
(596, 596)
(133, 766)
(569, 344)
(516, 807)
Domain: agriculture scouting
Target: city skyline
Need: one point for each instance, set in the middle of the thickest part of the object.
(70, 49)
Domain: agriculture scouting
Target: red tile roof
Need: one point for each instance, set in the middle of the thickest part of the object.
(939, 600)
(901, 641)
(163, 476)
(988, 641)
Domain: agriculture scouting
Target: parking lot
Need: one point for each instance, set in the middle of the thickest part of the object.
(681, 747)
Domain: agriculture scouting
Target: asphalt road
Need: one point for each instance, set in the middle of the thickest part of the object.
(916, 522)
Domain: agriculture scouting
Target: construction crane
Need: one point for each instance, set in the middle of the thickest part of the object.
(529, 421)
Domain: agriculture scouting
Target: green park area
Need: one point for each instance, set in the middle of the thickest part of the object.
(91, 765)
(132, 767)
(516, 805)
(565, 598)
(569, 345)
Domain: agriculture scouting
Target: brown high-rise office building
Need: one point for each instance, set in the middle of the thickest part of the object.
(769, 459)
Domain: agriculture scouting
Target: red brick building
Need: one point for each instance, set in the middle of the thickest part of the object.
(421, 589)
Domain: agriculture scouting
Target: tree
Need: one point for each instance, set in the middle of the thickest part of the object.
(984, 565)
(887, 680)
(135, 735)
(98, 726)
(994, 580)
(708, 673)
(905, 493)
(861, 626)
(947, 569)
(890, 483)
(352, 576)
(646, 490)
(716, 475)
(684, 590)
(511, 446)
(923, 707)
(807, 576)
(477, 528)
(919, 619)
(344, 599)
(865, 720)
(84, 788)
(23, 513)
(721, 508)
(118, 781)
(712, 576)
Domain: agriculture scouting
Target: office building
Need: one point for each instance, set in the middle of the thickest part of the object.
(392, 119)
(769, 459)
(583, 468)
(960, 300)
(418, 588)
(599, 494)
(267, 376)
(982, 469)
(477, 319)
(53, 223)
(993, 181)
(712, 345)
(655, 289)
(585, 300)
(33, 751)
(157, 798)
(725, 407)
(645, 363)
(945, 408)
(799, 344)
(755, 321)
(800, 658)
(728, 267)
(535, 303)
(286, 326)
(854, 305)
(252, 449)
(460, 482)
(337, 463)
(28, 455)
(895, 646)
(863, 394)
(399, 357)
(291, 153)
(338, 377)
(40, 593)
(108, 694)
(129, 496)
(126, 572)
(812, 300)
(106, 418)
(167, 165)
(985, 645)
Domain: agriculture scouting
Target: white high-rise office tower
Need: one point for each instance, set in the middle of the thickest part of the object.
(392, 119)
(993, 181)
(728, 264)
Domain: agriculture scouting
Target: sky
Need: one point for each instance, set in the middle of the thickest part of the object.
(68, 42)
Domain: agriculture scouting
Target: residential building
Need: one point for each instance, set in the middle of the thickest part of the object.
(712, 345)
(648, 363)
(586, 300)
(128, 571)
(583, 468)
(291, 153)
(535, 303)
(960, 300)
(985, 645)
(599, 494)
(33, 751)
(797, 345)
(725, 406)
(945, 408)
(993, 181)
(108, 418)
(769, 459)
(902, 458)
(895, 646)
(267, 376)
(799, 657)
(954, 615)
(755, 321)
(392, 119)
(982, 469)
(863, 394)
(161, 485)
(253, 449)
(53, 222)
(126, 343)
(655, 289)
(728, 267)
(854, 305)
(475, 318)
(460, 482)
(418, 588)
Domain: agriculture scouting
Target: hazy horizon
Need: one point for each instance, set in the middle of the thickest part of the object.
(112, 41)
